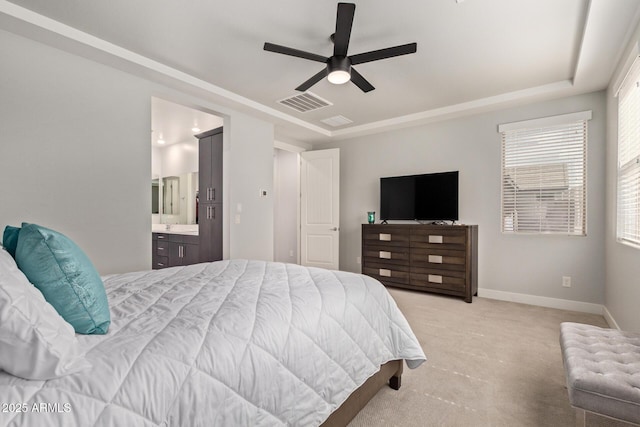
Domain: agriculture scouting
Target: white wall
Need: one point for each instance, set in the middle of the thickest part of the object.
(622, 261)
(75, 155)
(156, 162)
(76, 152)
(286, 191)
(531, 265)
(178, 159)
(249, 172)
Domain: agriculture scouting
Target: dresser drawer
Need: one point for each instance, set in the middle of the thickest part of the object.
(385, 236)
(387, 273)
(439, 279)
(435, 237)
(446, 259)
(397, 255)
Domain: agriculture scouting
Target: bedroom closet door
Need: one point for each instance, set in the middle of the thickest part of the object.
(320, 208)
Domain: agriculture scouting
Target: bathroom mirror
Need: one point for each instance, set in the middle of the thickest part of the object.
(171, 195)
(155, 196)
(174, 198)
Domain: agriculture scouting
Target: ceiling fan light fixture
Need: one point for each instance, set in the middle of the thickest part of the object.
(339, 77)
(338, 70)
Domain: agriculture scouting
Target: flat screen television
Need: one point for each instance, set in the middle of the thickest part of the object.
(426, 197)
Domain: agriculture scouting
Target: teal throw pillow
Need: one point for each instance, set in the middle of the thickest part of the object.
(65, 276)
(10, 239)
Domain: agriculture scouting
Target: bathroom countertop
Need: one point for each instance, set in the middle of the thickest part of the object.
(189, 230)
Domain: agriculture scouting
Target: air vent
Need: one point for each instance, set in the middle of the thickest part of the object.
(336, 121)
(304, 102)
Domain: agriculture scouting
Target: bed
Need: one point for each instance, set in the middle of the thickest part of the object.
(228, 343)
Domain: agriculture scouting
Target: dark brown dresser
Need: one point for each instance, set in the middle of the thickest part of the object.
(430, 258)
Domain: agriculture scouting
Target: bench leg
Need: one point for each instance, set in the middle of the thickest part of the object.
(581, 418)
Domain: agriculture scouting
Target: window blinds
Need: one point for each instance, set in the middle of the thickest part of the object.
(628, 224)
(544, 175)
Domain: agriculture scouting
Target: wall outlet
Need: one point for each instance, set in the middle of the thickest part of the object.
(566, 281)
(357, 260)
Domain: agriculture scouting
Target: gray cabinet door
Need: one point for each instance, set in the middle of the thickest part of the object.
(181, 253)
(210, 195)
(190, 254)
(210, 232)
(210, 166)
(204, 169)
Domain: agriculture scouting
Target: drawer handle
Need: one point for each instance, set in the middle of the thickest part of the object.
(160, 264)
(161, 249)
(434, 278)
(435, 239)
(435, 259)
(385, 237)
(160, 237)
(385, 255)
(385, 273)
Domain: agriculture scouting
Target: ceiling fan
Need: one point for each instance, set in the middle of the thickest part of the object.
(339, 68)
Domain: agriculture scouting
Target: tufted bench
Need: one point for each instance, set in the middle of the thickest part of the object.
(602, 367)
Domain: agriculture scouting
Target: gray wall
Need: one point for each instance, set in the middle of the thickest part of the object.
(75, 156)
(531, 265)
(622, 261)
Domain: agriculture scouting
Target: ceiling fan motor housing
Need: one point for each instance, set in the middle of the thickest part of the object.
(339, 69)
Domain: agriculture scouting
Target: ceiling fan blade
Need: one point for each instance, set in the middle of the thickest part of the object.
(361, 82)
(389, 52)
(313, 80)
(294, 52)
(344, 21)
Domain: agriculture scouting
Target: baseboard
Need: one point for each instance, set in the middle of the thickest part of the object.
(609, 318)
(563, 304)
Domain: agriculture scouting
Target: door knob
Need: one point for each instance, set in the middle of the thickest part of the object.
(334, 229)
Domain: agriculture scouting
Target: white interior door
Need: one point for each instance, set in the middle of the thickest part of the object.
(320, 208)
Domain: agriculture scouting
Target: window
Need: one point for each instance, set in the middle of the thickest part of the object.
(544, 175)
(628, 224)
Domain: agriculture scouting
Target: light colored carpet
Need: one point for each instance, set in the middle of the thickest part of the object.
(490, 363)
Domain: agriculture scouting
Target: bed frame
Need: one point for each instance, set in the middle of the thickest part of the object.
(389, 373)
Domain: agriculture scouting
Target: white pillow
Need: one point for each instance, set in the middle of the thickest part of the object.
(35, 342)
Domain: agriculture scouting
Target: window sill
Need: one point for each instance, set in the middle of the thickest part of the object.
(635, 245)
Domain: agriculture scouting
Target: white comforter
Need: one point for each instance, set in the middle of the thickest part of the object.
(230, 343)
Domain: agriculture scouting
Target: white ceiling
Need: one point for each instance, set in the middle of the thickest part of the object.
(472, 55)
